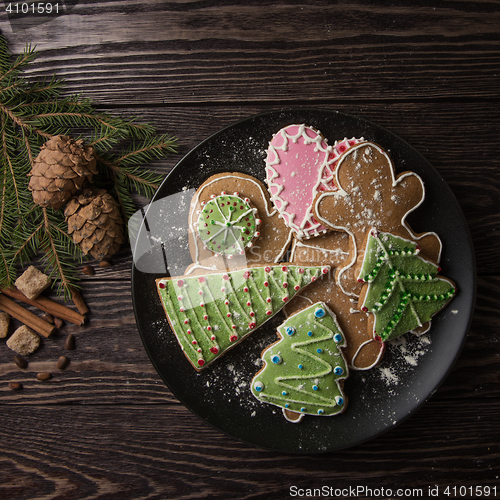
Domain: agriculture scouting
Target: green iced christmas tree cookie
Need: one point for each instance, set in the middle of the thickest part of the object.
(304, 370)
(210, 314)
(402, 289)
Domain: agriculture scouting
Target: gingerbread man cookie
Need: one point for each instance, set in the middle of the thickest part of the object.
(370, 195)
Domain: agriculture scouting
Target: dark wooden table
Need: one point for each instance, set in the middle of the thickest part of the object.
(107, 427)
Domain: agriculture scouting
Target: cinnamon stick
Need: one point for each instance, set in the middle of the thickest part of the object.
(47, 305)
(77, 299)
(26, 317)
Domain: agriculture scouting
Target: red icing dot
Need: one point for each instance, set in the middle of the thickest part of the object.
(324, 270)
(214, 350)
(225, 277)
(205, 317)
(285, 299)
(267, 269)
(296, 287)
(228, 315)
(252, 325)
(266, 283)
(285, 285)
(268, 300)
(209, 328)
(201, 362)
(252, 314)
(246, 274)
(284, 269)
(313, 278)
(269, 313)
(186, 321)
(161, 285)
(180, 283)
(245, 289)
(378, 338)
(361, 280)
(364, 309)
(189, 332)
(201, 279)
(301, 271)
(233, 338)
(194, 342)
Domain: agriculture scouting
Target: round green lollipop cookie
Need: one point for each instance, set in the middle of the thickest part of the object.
(227, 224)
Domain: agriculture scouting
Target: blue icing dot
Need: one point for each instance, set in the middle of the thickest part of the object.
(302, 409)
(319, 351)
(339, 400)
(276, 359)
(337, 337)
(290, 330)
(320, 412)
(319, 312)
(300, 367)
(258, 386)
(338, 370)
(310, 334)
(287, 405)
(284, 393)
(315, 387)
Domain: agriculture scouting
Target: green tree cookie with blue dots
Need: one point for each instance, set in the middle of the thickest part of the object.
(304, 370)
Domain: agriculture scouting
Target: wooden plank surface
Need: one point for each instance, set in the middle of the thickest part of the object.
(183, 52)
(107, 427)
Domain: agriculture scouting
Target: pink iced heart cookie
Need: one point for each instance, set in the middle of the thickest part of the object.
(299, 164)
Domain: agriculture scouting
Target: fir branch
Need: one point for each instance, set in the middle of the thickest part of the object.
(57, 244)
(31, 113)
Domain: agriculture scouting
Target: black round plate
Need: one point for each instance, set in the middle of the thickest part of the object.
(380, 398)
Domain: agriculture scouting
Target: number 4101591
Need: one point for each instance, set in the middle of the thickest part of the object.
(470, 491)
(32, 8)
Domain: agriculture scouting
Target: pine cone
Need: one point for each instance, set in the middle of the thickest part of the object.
(60, 171)
(95, 223)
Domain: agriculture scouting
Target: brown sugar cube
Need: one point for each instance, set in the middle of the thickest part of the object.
(32, 282)
(4, 324)
(24, 341)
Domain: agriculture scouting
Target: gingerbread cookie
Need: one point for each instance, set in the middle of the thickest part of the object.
(371, 195)
(402, 290)
(304, 371)
(211, 313)
(263, 238)
(299, 164)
